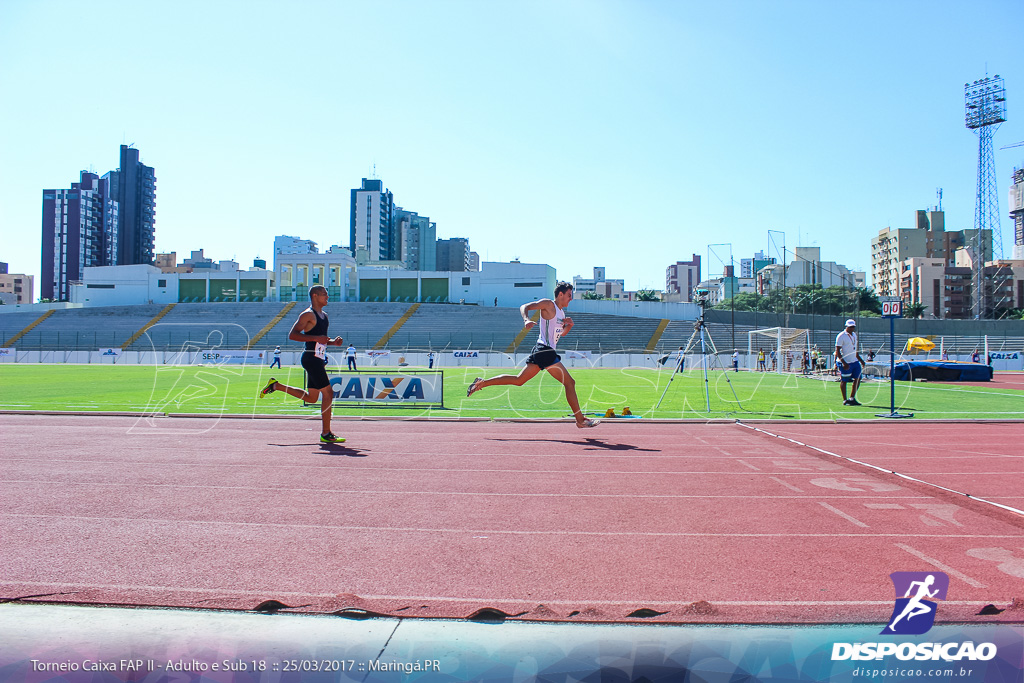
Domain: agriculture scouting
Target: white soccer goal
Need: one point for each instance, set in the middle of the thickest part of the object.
(788, 343)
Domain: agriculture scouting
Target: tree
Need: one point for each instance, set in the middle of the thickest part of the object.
(741, 302)
(647, 295)
(915, 310)
(867, 300)
(591, 295)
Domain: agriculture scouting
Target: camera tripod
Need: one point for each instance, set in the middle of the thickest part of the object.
(700, 331)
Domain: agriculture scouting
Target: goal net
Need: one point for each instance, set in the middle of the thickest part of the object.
(783, 347)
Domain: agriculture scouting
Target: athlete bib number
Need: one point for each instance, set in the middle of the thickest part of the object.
(320, 351)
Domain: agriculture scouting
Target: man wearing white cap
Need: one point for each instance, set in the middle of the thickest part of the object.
(849, 361)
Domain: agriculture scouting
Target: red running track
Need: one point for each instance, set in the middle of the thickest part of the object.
(692, 522)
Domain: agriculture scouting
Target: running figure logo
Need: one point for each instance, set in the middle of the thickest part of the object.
(914, 613)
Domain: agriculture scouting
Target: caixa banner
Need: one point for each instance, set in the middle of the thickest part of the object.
(398, 388)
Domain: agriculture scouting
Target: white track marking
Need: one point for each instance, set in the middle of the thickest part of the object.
(402, 492)
(942, 567)
(885, 471)
(787, 485)
(506, 532)
(584, 602)
(844, 515)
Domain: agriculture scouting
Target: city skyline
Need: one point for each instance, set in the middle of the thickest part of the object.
(623, 135)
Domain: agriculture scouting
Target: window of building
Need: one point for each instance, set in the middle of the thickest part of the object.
(465, 281)
(161, 283)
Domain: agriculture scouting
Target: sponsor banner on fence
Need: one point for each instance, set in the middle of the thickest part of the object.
(587, 355)
(465, 354)
(392, 388)
(377, 355)
(107, 351)
(233, 356)
(7, 352)
(1005, 355)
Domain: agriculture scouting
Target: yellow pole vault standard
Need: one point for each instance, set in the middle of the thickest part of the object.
(154, 321)
(273, 323)
(382, 342)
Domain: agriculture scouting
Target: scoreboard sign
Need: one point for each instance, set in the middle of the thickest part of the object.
(892, 309)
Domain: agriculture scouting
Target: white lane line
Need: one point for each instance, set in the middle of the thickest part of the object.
(507, 532)
(787, 484)
(756, 469)
(845, 516)
(492, 494)
(262, 593)
(938, 565)
(885, 471)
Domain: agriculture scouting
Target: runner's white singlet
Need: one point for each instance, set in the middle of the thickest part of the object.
(551, 330)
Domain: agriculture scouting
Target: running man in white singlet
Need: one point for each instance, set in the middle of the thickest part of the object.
(554, 325)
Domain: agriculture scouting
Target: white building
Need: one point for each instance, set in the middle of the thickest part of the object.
(502, 284)
(145, 284)
(335, 270)
(807, 268)
(610, 289)
(286, 244)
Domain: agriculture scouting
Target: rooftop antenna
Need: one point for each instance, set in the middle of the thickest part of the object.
(938, 192)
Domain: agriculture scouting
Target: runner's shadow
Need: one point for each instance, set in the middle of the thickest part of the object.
(592, 444)
(327, 448)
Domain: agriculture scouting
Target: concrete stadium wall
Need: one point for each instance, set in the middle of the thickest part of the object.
(448, 360)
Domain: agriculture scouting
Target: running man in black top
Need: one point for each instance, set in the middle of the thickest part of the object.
(311, 328)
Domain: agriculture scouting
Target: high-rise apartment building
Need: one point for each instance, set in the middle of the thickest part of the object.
(453, 254)
(928, 239)
(750, 266)
(133, 187)
(15, 288)
(80, 229)
(417, 238)
(372, 221)
(680, 279)
(1017, 213)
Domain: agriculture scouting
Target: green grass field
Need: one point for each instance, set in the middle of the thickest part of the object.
(233, 389)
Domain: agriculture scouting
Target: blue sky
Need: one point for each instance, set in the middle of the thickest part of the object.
(620, 134)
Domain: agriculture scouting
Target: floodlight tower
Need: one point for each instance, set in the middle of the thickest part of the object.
(985, 109)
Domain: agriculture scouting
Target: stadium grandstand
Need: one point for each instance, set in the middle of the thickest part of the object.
(417, 327)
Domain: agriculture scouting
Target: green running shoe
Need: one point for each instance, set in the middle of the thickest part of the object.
(329, 437)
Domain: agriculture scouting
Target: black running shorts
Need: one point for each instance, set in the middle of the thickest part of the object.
(543, 357)
(316, 371)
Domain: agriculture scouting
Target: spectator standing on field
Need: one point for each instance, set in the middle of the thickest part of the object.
(849, 361)
(350, 353)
